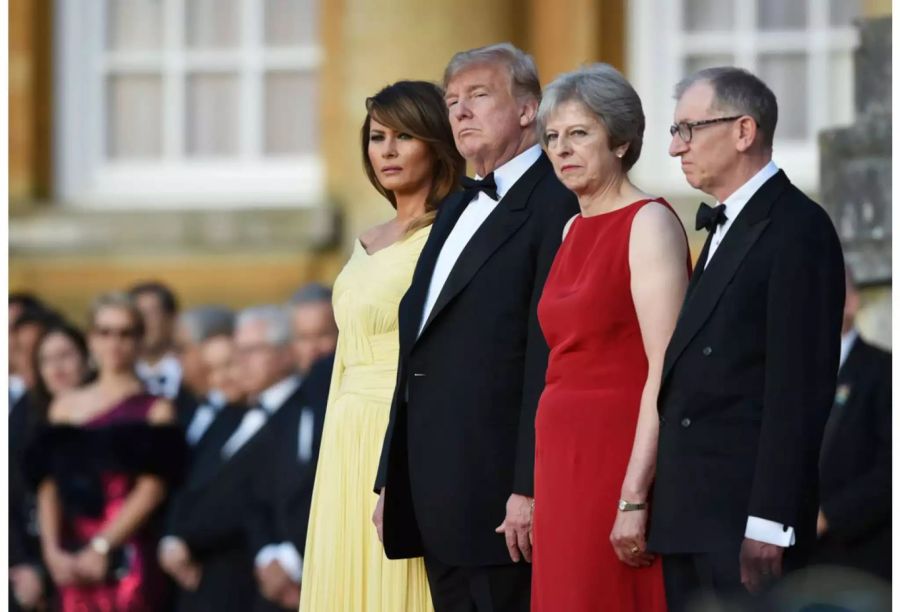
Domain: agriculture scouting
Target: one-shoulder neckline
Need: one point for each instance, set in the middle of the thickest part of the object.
(626, 207)
(400, 240)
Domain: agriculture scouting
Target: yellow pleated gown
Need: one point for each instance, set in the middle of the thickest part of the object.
(344, 566)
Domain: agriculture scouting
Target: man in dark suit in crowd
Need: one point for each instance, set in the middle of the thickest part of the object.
(313, 327)
(749, 374)
(159, 367)
(854, 524)
(207, 549)
(456, 472)
(194, 328)
(281, 501)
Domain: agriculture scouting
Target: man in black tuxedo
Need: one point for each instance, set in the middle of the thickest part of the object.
(749, 374)
(456, 472)
(281, 501)
(854, 523)
(207, 549)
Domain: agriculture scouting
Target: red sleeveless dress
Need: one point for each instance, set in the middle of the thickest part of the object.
(585, 425)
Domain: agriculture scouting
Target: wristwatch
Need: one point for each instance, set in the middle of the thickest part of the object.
(625, 506)
(100, 545)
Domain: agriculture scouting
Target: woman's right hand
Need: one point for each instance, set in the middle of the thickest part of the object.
(378, 516)
(61, 565)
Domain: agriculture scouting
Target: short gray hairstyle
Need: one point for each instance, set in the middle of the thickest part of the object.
(609, 96)
(278, 324)
(523, 73)
(204, 322)
(738, 90)
(311, 293)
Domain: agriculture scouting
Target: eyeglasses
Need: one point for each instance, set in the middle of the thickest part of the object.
(685, 129)
(122, 333)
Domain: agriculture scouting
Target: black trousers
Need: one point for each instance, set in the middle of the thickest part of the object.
(694, 577)
(495, 588)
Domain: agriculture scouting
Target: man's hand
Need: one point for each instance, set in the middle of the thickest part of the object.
(628, 538)
(517, 527)
(175, 559)
(27, 585)
(821, 524)
(378, 516)
(290, 596)
(272, 580)
(760, 564)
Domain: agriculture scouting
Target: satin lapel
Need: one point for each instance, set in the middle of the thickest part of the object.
(702, 300)
(509, 215)
(413, 303)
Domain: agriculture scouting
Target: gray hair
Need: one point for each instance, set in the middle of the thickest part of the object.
(737, 90)
(523, 75)
(204, 322)
(278, 325)
(311, 293)
(609, 96)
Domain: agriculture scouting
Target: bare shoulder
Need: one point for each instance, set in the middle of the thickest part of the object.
(656, 229)
(66, 405)
(162, 412)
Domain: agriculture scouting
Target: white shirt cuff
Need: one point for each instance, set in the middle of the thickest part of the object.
(169, 540)
(290, 560)
(770, 532)
(266, 554)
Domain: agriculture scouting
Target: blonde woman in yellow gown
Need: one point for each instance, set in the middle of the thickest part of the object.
(410, 158)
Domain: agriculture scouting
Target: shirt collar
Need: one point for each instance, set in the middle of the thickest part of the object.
(736, 201)
(272, 398)
(847, 342)
(506, 175)
(168, 366)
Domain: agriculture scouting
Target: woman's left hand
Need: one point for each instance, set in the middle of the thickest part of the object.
(91, 566)
(628, 539)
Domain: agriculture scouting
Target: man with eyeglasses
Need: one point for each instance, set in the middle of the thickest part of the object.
(749, 374)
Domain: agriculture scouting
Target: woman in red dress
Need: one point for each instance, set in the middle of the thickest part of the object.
(607, 311)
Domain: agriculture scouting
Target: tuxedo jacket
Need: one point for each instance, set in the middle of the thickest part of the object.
(212, 510)
(460, 438)
(855, 465)
(186, 405)
(749, 377)
(282, 500)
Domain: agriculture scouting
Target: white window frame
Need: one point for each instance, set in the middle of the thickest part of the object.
(656, 48)
(83, 178)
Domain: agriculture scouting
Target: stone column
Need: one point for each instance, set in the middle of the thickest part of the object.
(856, 179)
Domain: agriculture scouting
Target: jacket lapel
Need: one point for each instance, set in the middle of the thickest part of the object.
(704, 294)
(508, 216)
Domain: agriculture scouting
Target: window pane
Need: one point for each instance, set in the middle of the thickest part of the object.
(701, 15)
(212, 23)
(843, 12)
(291, 22)
(693, 63)
(134, 24)
(135, 116)
(781, 14)
(212, 115)
(785, 74)
(840, 98)
(291, 107)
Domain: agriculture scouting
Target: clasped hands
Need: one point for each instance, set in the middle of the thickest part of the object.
(175, 559)
(86, 566)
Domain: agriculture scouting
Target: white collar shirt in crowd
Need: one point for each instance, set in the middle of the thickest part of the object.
(16, 389)
(267, 404)
(162, 379)
(847, 342)
(735, 203)
(204, 416)
(471, 219)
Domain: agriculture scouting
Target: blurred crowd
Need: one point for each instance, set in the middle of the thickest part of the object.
(163, 458)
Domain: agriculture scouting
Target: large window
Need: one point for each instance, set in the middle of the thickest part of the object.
(187, 103)
(801, 48)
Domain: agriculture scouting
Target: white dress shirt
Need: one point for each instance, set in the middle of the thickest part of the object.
(847, 342)
(16, 389)
(476, 212)
(163, 378)
(760, 529)
(735, 203)
(204, 416)
(268, 403)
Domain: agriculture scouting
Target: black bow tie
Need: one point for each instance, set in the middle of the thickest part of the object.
(710, 217)
(487, 185)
